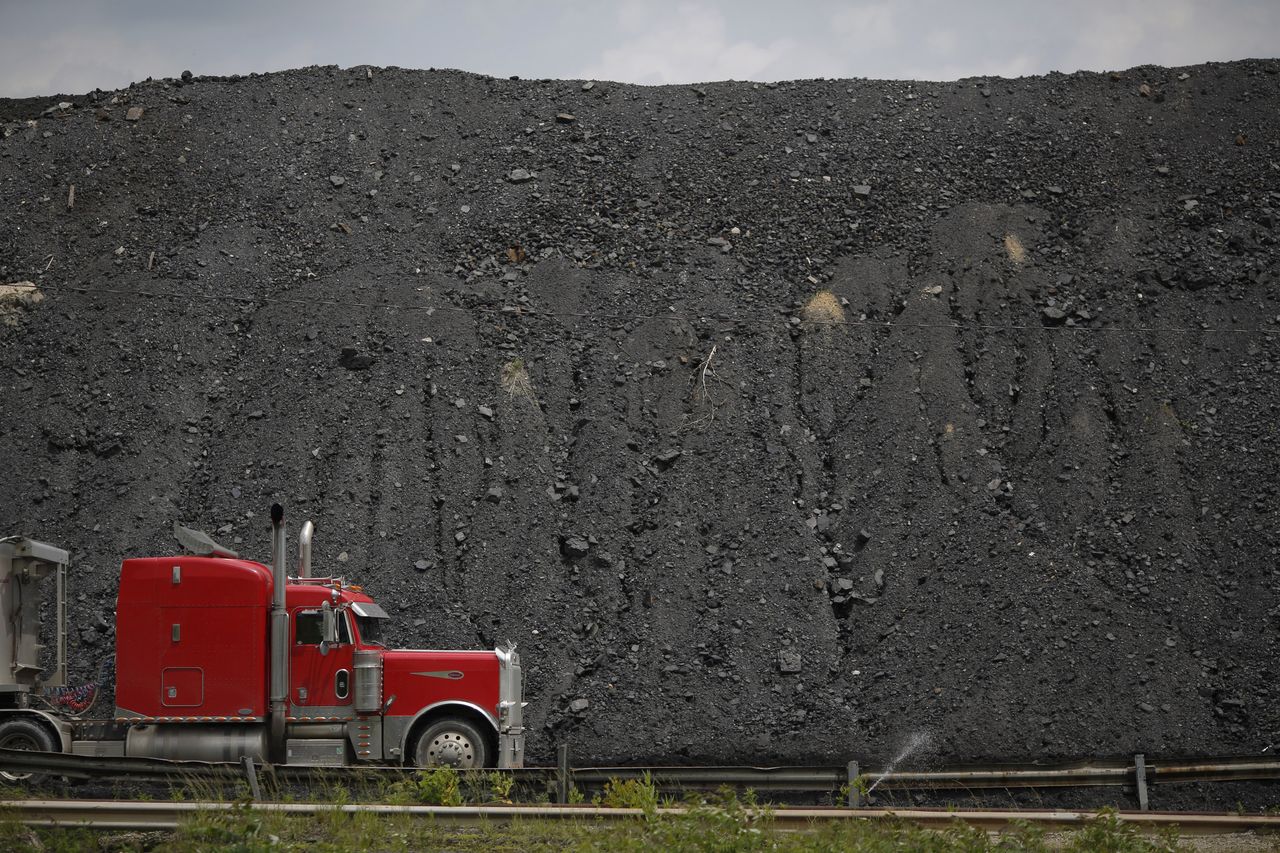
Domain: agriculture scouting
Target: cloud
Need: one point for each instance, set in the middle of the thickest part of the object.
(872, 22)
(691, 45)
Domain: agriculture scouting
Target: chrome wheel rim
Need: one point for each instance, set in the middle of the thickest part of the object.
(448, 749)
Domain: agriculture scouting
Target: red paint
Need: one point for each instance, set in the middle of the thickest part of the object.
(478, 685)
(216, 664)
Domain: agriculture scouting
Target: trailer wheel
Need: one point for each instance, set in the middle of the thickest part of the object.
(26, 735)
(451, 742)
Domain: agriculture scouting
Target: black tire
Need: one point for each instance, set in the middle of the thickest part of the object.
(29, 735)
(451, 742)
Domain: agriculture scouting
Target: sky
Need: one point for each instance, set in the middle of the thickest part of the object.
(73, 46)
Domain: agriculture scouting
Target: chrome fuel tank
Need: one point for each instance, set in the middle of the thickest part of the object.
(197, 742)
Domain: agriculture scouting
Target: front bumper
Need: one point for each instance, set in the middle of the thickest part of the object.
(510, 710)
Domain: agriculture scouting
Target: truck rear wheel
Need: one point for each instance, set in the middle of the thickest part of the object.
(26, 735)
(451, 742)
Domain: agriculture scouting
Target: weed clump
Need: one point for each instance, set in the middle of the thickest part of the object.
(631, 794)
(514, 379)
(491, 786)
(434, 786)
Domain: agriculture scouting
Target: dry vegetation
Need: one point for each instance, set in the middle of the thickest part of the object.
(514, 379)
(1014, 249)
(823, 308)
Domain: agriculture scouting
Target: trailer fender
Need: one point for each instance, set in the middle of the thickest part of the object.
(58, 727)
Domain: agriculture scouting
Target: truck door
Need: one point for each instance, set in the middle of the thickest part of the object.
(320, 685)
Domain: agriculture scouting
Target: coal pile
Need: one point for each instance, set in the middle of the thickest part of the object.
(774, 422)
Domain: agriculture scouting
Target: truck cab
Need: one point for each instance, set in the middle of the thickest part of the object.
(194, 660)
(435, 707)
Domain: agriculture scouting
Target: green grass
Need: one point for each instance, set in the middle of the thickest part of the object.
(723, 824)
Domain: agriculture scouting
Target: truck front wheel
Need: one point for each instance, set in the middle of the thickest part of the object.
(451, 742)
(26, 735)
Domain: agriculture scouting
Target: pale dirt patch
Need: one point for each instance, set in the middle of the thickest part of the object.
(823, 308)
(1014, 248)
(16, 298)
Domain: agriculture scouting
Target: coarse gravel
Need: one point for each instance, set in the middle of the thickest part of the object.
(784, 422)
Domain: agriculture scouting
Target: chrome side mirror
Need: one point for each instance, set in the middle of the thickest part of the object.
(328, 628)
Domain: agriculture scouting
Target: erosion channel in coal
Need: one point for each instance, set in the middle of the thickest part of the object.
(793, 422)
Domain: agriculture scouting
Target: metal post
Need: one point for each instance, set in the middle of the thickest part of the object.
(855, 795)
(562, 777)
(1140, 773)
(60, 667)
(279, 675)
(252, 774)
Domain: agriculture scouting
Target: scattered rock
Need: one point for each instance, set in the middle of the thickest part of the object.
(353, 359)
(134, 114)
(666, 223)
(519, 176)
(573, 547)
(1053, 316)
(337, 180)
(666, 458)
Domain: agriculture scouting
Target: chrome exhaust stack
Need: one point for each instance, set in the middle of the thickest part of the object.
(304, 549)
(279, 679)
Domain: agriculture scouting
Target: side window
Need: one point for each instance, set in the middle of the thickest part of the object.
(308, 629)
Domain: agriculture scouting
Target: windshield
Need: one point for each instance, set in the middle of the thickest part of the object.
(370, 628)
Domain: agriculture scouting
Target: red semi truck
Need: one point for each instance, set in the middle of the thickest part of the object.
(219, 658)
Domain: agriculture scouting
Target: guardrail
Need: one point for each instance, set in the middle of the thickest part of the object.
(1135, 772)
(122, 815)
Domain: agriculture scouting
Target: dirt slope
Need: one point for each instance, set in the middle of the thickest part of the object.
(774, 422)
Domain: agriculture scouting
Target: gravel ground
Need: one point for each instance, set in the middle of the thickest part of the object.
(792, 422)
